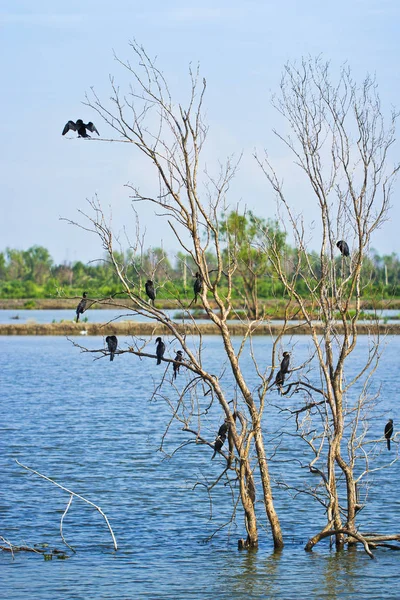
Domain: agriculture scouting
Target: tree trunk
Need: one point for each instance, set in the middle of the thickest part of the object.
(246, 485)
(266, 485)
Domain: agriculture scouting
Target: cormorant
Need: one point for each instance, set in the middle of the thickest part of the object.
(280, 378)
(112, 343)
(80, 309)
(150, 291)
(160, 350)
(176, 365)
(197, 286)
(343, 247)
(285, 363)
(388, 432)
(221, 437)
(80, 127)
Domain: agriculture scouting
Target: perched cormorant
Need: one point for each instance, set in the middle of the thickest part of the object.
(285, 363)
(280, 378)
(176, 365)
(160, 350)
(343, 247)
(197, 286)
(388, 432)
(80, 127)
(221, 437)
(80, 309)
(112, 343)
(150, 291)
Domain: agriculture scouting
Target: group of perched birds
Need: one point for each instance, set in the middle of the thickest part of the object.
(112, 341)
(151, 292)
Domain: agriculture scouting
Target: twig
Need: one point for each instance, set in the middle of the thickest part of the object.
(69, 503)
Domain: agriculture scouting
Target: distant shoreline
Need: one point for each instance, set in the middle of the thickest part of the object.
(167, 303)
(151, 329)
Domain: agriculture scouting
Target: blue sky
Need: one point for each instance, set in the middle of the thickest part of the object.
(51, 53)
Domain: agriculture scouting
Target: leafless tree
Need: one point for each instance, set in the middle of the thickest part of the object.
(339, 140)
(191, 201)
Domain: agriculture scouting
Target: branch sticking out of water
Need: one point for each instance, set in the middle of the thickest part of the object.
(72, 494)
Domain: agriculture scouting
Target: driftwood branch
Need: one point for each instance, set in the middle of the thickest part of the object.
(328, 533)
(61, 522)
(72, 494)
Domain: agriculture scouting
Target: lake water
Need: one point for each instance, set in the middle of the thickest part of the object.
(15, 316)
(90, 425)
(49, 316)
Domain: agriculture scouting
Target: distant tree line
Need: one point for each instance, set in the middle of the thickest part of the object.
(32, 273)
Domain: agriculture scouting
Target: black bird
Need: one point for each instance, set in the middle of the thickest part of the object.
(112, 343)
(280, 378)
(285, 363)
(160, 350)
(176, 365)
(388, 432)
(150, 291)
(221, 437)
(80, 309)
(80, 127)
(197, 286)
(343, 247)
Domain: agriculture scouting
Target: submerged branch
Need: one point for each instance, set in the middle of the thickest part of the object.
(72, 494)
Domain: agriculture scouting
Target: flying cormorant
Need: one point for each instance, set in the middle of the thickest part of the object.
(343, 247)
(160, 350)
(221, 437)
(80, 309)
(176, 365)
(197, 286)
(112, 343)
(388, 432)
(150, 291)
(80, 127)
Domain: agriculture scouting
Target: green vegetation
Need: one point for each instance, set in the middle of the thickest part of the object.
(32, 274)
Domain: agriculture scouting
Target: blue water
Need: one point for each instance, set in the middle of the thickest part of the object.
(15, 316)
(95, 427)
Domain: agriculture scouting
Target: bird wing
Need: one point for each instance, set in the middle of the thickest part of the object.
(388, 429)
(113, 343)
(92, 127)
(68, 126)
(81, 306)
(285, 364)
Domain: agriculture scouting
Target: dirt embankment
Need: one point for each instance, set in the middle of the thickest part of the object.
(152, 329)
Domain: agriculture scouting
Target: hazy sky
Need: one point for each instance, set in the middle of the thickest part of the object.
(52, 52)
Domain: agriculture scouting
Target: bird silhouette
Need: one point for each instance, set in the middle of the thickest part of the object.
(388, 432)
(176, 365)
(285, 363)
(80, 309)
(343, 247)
(160, 350)
(280, 378)
(197, 286)
(221, 437)
(80, 127)
(150, 291)
(112, 343)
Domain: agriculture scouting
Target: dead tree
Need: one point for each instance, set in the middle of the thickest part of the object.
(339, 140)
(171, 136)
